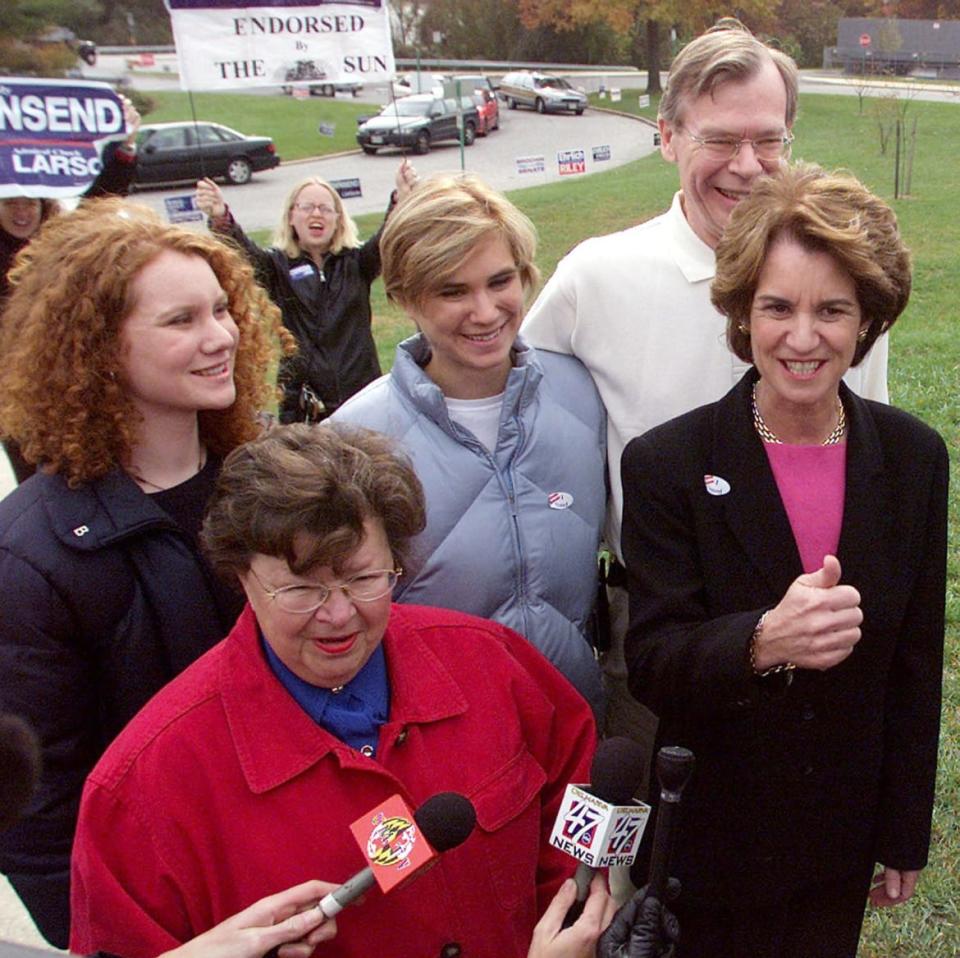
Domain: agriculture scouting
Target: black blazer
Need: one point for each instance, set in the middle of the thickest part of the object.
(806, 775)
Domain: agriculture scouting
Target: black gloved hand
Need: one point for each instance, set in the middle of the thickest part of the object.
(642, 928)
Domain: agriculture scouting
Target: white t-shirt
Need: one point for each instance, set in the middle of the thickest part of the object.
(480, 416)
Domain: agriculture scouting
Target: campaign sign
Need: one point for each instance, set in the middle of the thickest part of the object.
(391, 842)
(225, 44)
(347, 188)
(601, 153)
(531, 164)
(571, 161)
(182, 209)
(597, 833)
(52, 133)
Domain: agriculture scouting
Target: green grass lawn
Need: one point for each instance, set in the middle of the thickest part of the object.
(292, 123)
(924, 379)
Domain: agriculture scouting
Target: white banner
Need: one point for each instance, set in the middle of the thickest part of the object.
(225, 44)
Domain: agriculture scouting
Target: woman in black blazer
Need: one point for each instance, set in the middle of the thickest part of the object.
(786, 554)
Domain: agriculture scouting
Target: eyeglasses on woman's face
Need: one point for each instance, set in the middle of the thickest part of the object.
(321, 208)
(365, 586)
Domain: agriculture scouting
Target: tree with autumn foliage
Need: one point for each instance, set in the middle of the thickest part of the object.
(649, 23)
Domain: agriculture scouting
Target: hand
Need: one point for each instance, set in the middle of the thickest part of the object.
(642, 928)
(406, 179)
(131, 116)
(815, 625)
(892, 887)
(552, 940)
(289, 919)
(210, 199)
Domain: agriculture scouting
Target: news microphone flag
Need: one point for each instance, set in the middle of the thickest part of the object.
(399, 844)
(392, 844)
(597, 833)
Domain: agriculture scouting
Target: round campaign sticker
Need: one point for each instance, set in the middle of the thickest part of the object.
(716, 485)
(560, 500)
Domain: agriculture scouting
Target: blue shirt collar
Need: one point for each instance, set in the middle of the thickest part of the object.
(355, 712)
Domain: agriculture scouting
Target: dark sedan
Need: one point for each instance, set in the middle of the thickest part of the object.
(418, 121)
(172, 152)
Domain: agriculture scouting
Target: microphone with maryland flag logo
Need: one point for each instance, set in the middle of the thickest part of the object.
(400, 845)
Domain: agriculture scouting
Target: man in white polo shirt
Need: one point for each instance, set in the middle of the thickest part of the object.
(634, 306)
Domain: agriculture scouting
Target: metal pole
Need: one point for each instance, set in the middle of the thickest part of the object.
(460, 124)
(196, 134)
(896, 167)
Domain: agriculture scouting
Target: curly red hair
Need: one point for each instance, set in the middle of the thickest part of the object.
(62, 396)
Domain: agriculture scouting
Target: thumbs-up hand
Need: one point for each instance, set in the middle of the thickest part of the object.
(815, 625)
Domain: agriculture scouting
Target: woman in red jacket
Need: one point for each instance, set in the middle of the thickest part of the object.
(244, 775)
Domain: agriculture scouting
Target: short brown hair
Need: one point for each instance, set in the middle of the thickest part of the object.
(344, 234)
(62, 395)
(727, 52)
(436, 227)
(832, 213)
(318, 481)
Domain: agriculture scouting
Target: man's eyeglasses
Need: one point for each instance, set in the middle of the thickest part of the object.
(727, 147)
(321, 208)
(362, 587)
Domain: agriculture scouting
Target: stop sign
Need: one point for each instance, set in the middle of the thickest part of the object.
(864, 39)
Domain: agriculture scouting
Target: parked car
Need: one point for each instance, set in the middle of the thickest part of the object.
(484, 95)
(419, 121)
(545, 93)
(489, 110)
(418, 82)
(311, 70)
(169, 152)
(470, 81)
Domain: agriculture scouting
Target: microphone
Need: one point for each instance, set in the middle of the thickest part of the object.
(19, 767)
(674, 768)
(401, 845)
(602, 824)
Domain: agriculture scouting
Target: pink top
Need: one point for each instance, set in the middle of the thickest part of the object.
(812, 482)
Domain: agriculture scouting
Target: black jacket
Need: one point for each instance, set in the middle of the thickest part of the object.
(337, 354)
(804, 775)
(102, 601)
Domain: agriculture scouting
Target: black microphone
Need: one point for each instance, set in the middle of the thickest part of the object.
(615, 777)
(445, 820)
(674, 768)
(19, 767)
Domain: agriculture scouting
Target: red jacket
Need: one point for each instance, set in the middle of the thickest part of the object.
(223, 790)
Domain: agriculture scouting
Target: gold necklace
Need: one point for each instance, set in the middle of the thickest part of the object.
(768, 435)
(146, 482)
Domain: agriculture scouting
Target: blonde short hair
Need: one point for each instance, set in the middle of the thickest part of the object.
(344, 235)
(825, 212)
(727, 53)
(436, 227)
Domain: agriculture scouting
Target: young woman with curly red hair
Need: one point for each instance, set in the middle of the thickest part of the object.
(135, 357)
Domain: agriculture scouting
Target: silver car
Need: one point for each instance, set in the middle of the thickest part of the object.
(542, 92)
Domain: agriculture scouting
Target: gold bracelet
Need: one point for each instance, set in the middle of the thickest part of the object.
(782, 667)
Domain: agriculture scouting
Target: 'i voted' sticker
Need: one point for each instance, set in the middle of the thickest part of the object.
(560, 500)
(716, 485)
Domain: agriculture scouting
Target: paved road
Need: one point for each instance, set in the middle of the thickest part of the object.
(522, 133)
